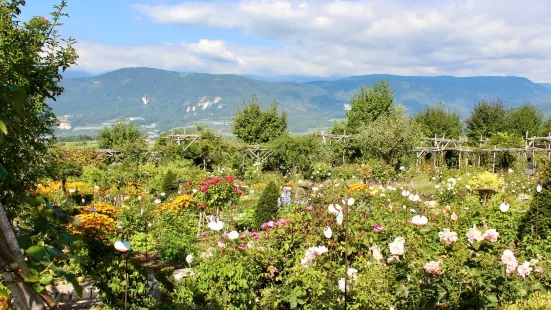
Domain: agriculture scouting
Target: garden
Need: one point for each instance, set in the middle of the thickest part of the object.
(348, 219)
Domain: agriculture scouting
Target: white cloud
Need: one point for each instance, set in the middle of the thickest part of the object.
(462, 37)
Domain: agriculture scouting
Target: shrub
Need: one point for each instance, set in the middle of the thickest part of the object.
(267, 206)
(487, 180)
(538, 216)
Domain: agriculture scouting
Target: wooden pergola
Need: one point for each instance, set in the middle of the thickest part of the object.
(331, 140)
(441, 145)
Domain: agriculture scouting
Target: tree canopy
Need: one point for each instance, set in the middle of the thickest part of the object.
(31, 57)
(486, 119)
(389, 137)
(119, 136)
(526, 118)
(368, 104)
(437, 120)
(254, 125)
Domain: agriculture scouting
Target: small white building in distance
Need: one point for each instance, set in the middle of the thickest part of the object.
(64, 126)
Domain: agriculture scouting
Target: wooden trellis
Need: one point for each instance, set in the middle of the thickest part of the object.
(117, 155)
(439, 146)
(186, 140)
(259, 154)
(331, 140)
(110, 154)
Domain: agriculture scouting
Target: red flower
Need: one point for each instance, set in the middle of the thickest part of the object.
(229, 178)
(189, 182)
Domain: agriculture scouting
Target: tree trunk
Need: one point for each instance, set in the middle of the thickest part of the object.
(13, 266)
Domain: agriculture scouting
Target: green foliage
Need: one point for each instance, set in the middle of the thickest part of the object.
(505, 140)
(32, 54)
(537, 221)
(505, 160)
(524, 119)
(546, 127)
(120, 136)
(390, 137)
(267, 207)
(368, 104)
(253, 125)
(175, 235)
(168, 182)
(294, 152)
(439, 121)
(486, 179)
(110, 270)
(537, 301)
(487, 118)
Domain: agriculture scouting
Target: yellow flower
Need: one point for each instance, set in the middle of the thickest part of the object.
(179, 203)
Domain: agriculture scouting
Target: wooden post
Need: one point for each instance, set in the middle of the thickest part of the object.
(494, 164)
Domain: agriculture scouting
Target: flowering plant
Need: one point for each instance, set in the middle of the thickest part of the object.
(216, 193)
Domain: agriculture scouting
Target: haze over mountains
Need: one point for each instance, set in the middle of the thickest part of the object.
(171, 99)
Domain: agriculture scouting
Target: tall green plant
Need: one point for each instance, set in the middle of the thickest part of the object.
(254, 125)
(32, 54)
(368, 104)
(437, 120)
(267, 207)
(486, 119)
(537, 221)
(119, 136)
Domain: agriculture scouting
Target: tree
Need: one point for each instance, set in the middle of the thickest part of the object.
(120, 135)
(439, 121)
(486, 119)
(390, 137)
(545, 128)
(537, 221)
(297, 152)
(253, 125)
(368, 104)
(525, 118)
(267, 207)
(32, 54)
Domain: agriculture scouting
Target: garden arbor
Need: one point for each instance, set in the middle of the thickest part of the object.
(439, 147)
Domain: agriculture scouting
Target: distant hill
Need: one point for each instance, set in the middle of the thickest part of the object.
(546, 85)
(172, 99)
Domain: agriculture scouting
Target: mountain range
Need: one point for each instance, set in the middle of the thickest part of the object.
(163, 99)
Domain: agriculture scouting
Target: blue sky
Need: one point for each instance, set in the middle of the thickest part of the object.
(311, 37)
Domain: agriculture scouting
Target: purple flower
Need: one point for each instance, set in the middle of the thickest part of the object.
(242, 246)
(309, 208)
(378, 228)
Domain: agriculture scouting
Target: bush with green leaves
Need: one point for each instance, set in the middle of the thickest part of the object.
(391, 137)
(537, 221)
(254, 125)
(267, 207)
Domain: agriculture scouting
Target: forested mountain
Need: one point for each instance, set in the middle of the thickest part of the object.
(172, 99)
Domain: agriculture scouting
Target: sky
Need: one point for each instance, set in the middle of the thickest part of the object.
(318, 38)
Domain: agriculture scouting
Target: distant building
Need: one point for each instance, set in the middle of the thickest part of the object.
(64, 126)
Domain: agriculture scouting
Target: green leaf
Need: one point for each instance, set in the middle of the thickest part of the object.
(39, 288)
(36, 252)
(31, 278)
(53, 251)
(77, 287)
(46, 279)
(24, 241)
(3, 173)
(424, 230)
(492, 298)
(3, 128)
